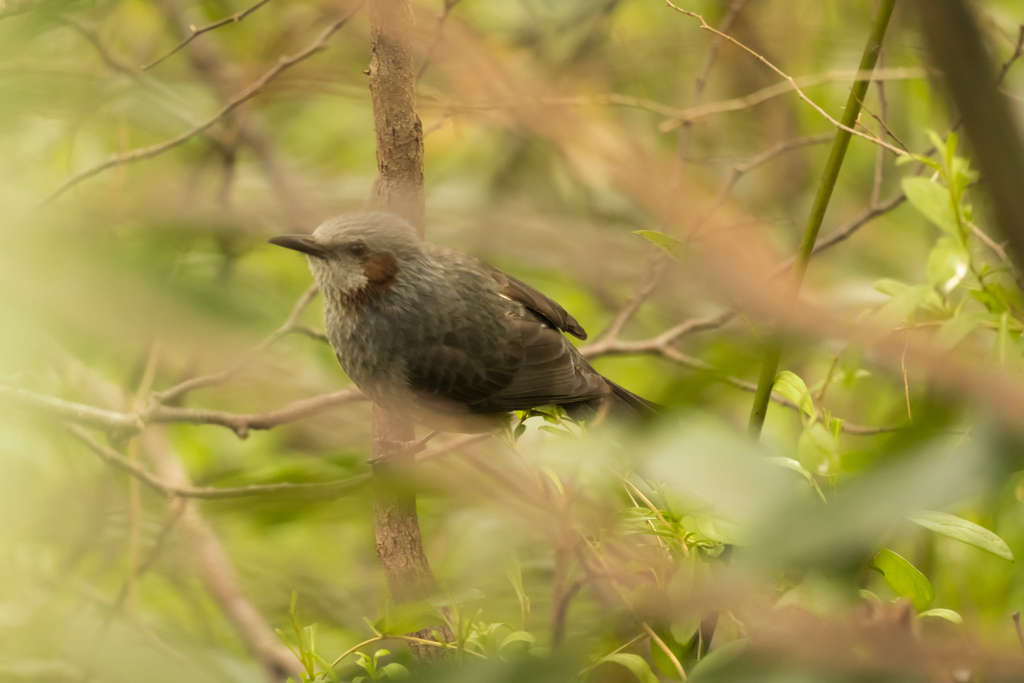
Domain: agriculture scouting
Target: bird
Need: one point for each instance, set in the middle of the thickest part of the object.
(429, 332)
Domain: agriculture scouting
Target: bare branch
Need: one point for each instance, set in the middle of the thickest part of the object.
(438, 34)
(242, 424)
(129, 424)
(683, 141)
(326, 490)
(791, 81)
(114, 422)
(196, 32)
(290, 325)
(142, 153)
(674, 116)
(742, 168)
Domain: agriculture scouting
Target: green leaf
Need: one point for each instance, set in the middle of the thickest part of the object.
(792, 387)
(718, 659)
(890, 287)
(719, 530)
(956, 329)
(900, 307)
(395, 671)
(669, 245)
(964, 531)
(948, 264)
(947, 614)
(816, 451)
(904, 578)
(635, 663)
(790, 463)
(517, 637)
(934, 202)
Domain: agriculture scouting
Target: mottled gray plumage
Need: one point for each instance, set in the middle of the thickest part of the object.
(423, 328)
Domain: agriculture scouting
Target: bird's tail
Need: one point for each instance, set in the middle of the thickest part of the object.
(626, 404)
(619, 405)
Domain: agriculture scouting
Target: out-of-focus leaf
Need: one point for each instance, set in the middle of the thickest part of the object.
(517, 637)
(947, 614)
(793, 387)
(934, 202)
(792, 464)
(635, 663)
(954, 330)
(900, 307)
(816, 451)
(409, 617)
(718, 659)
(395, 671)
(964, 531)
(904, 578)
(947, 264)
(670, 245)
(719, 530)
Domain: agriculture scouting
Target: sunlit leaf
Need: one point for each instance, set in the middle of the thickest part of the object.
(904, 578)
(793, 387)
(947, 614)
(964, 531)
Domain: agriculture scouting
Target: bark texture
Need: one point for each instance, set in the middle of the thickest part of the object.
(400, 191)
(398, 127)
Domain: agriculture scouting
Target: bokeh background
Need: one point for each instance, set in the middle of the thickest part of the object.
(553, 132)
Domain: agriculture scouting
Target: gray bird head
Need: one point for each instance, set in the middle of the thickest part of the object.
(357, 256)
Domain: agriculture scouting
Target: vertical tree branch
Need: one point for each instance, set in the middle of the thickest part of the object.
(399, 191)
(773, 348)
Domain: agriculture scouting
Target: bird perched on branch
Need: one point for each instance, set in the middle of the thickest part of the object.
(430, 332)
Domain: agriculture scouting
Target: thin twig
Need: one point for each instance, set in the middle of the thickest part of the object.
(683, 141)
(125, 425)
(242, 424)
(438, 34)
(1016, 624)
(291, 324)
(142, 153)
(792, 82)
(196, 32)
(674, 116)
(112, 457)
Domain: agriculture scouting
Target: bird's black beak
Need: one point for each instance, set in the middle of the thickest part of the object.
(304, 243)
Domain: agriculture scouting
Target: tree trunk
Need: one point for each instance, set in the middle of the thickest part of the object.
(399, 191)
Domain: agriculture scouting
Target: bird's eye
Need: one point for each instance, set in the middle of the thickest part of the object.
(357, 248)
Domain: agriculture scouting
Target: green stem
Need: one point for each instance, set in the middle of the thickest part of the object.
(773, 346)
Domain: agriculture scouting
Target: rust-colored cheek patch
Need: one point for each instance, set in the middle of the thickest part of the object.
(380, 269)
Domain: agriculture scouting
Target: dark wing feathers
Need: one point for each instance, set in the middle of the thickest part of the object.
(517, 290)
(552, 372)
(536, 366)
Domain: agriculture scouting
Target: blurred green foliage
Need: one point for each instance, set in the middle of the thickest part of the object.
(568, 554)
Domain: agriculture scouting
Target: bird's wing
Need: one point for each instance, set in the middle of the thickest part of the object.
(549, 309)
(553, 372)
(536, 367)
(459, 371)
